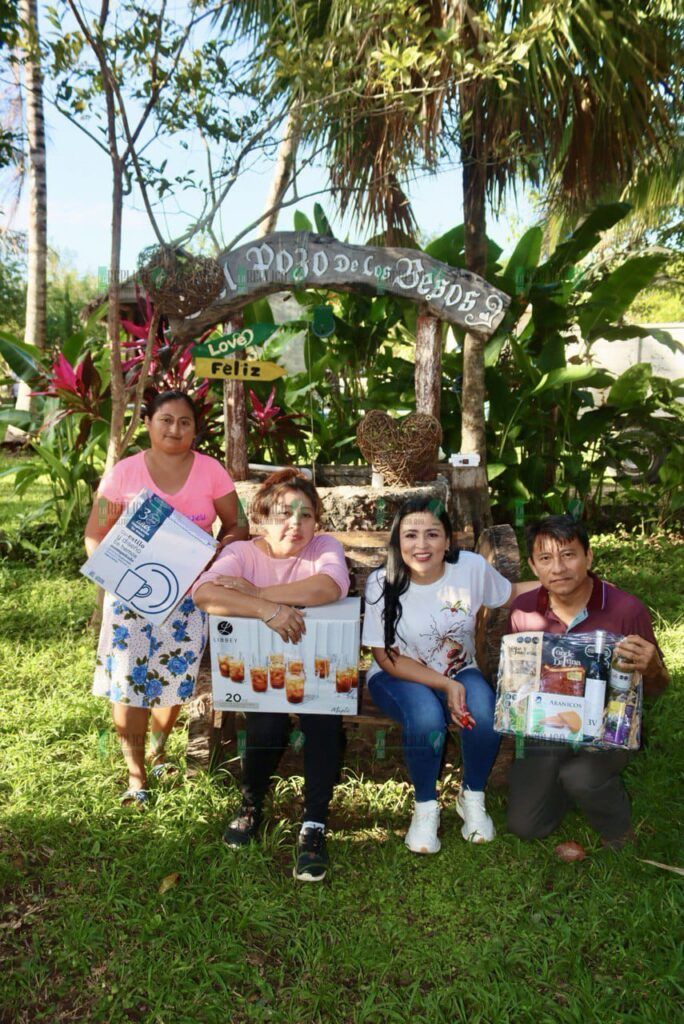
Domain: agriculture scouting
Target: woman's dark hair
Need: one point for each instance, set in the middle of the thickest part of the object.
(397, 574)
(156, 400)
(276, 484)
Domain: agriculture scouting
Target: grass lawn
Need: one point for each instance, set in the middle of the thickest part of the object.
(109, 915)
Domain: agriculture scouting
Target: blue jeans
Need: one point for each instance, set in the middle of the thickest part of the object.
(423, 715)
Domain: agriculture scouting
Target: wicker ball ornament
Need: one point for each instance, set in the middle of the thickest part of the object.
(178, 283)
(402, 450)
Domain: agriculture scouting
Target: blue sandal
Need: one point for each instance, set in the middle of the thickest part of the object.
(163, 771)
(135, 798)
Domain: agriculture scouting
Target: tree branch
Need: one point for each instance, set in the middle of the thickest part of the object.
(77, 124)
(149, 106)
(280, 206)
(96, 47)
(207, 220)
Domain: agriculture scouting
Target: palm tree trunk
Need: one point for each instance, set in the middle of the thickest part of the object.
(282, 176)
(473, 394)
(473, 160)
(234, 404)
(474, 501)
(114, 321)
(36, 291)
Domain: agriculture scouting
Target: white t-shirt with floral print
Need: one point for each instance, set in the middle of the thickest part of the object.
(437, 626)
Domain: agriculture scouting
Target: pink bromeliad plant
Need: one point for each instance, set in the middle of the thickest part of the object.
(80, 392)
(272, 429)
(170, 364)
(72, 441)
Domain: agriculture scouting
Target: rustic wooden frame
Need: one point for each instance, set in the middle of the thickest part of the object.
(289, 260)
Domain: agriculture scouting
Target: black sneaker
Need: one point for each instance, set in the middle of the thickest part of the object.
(243, 829)
(312, 856)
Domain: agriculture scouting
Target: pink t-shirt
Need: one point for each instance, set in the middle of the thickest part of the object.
(243, 558)
(206, 481)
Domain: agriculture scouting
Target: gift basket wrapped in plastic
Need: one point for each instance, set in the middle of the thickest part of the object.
(568, 688)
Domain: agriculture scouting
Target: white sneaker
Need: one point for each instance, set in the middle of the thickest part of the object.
(422, 834)
(478, 827)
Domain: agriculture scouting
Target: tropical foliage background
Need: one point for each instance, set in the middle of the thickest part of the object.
(578, 102)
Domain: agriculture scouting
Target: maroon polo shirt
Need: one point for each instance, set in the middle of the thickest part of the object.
(608, 608)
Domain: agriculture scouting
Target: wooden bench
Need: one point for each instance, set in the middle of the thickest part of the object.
(213, 734)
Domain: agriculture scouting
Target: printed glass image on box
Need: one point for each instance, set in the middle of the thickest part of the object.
(568, 689)
(150, 557)
(252, 669)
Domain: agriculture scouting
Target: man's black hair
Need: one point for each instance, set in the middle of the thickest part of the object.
(559, 528)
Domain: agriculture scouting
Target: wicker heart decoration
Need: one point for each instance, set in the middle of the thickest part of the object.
(179, 284)
(402, 450)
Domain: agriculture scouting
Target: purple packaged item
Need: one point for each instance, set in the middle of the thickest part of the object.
(618, 722)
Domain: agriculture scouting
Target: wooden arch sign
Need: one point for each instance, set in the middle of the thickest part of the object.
(289, 260)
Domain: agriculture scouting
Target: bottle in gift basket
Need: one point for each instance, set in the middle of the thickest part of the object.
(595, 689)
(620, 680)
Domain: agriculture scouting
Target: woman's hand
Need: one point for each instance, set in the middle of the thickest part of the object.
(456, 701)
(103, 516)
(288, 623)
(234, 524)
(237, 583)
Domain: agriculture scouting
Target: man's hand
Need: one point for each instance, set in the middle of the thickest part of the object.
(638, 655)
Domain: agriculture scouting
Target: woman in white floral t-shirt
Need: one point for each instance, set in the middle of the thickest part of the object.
(420, 623)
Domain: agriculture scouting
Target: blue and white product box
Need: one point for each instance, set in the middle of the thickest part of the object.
(151, 557)
(252, 669)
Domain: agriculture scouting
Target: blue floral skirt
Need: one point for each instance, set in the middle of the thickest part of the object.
(149, 666)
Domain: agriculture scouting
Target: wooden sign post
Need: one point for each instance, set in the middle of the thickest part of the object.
(235, 420)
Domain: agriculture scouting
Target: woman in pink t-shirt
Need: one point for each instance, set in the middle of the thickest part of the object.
(148, 671)
(289, 565)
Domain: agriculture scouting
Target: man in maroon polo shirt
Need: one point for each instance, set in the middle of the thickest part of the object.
(550, 777)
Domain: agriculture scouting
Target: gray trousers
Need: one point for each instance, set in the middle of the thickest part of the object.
(549, 779)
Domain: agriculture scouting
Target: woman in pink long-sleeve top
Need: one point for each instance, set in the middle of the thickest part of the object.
(289, 565)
